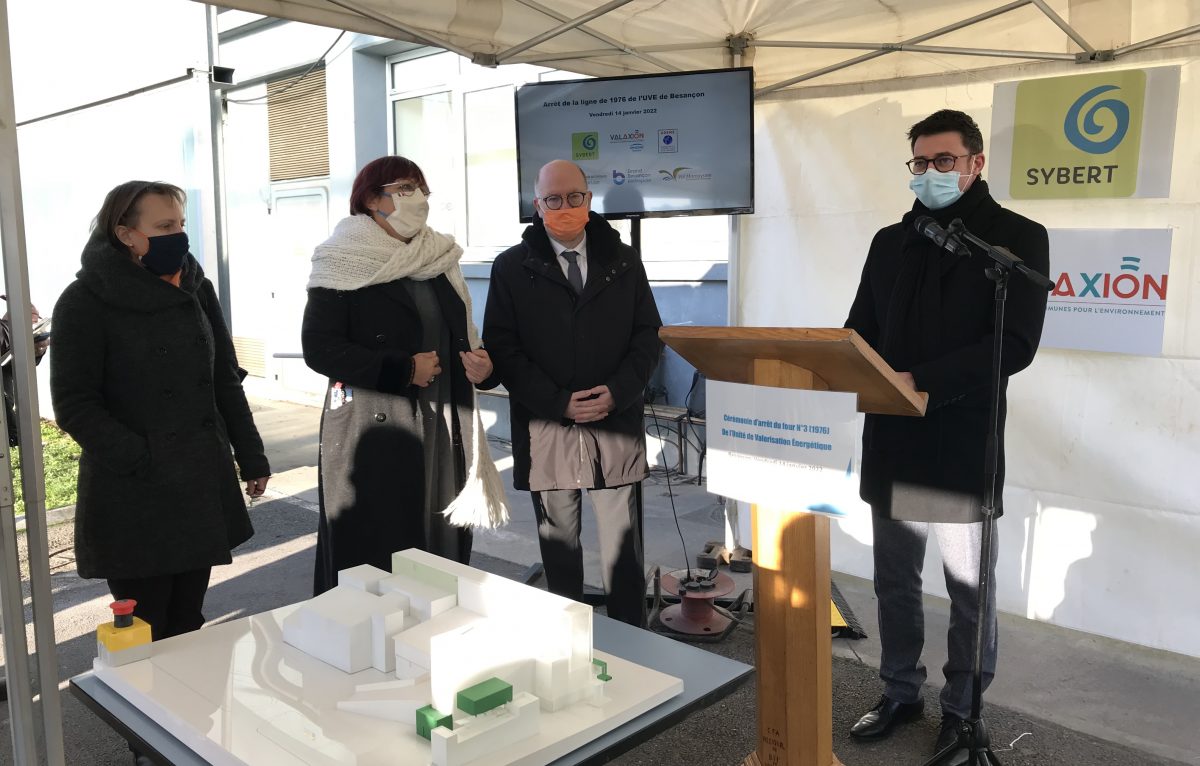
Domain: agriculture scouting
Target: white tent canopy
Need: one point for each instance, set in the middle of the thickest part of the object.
(790, 43)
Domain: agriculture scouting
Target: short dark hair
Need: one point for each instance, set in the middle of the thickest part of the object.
(122, 207)
(377, 173)
(949, 121)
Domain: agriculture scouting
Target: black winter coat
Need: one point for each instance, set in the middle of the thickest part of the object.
(547, 343)
(144, 377)
(931, 313)
(372, 476)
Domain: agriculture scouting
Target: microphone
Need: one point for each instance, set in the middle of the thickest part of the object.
(930, 228)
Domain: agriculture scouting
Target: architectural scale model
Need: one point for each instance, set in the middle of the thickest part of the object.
(431, 663)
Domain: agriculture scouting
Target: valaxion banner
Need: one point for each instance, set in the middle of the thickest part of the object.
(1110, 134)
(1110, 290)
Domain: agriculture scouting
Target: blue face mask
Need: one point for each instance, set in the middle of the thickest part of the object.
(936, 190)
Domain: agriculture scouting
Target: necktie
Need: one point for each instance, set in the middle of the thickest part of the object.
(574, 274)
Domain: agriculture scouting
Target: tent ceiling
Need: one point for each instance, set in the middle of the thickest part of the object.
(790, 43)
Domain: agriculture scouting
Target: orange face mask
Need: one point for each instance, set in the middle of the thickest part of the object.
(566, 223)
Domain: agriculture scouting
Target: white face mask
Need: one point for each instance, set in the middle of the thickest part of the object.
(410, 214)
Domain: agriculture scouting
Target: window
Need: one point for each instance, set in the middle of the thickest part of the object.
(298, 127)
(424, 132)
(491, 145)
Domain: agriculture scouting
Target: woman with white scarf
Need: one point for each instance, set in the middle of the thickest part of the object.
(404, 460)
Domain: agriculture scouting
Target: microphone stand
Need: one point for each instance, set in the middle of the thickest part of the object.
(972, 734)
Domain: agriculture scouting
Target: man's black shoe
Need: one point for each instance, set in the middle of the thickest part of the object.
(880, 720)
(947, 735)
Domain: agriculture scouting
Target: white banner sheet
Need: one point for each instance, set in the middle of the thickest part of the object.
(781, 448)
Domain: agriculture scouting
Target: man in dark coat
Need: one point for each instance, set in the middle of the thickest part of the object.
(929, 313)
(572, 328)
(144, 377)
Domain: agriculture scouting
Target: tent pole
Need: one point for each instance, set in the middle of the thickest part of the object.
(1135, 47)
(985, 16)
(16, 277)
(566, 26)
(1061, 23)
(987, 52)
(601, 37)
(216, 139)
(545, 58)
(733, 280)
(412, 32)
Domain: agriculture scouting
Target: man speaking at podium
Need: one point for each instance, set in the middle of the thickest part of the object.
(928, 310)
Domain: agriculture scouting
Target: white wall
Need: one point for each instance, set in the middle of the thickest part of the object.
(1102, 502)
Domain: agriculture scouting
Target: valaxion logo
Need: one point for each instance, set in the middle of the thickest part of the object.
(627, 137)
(1103, 291)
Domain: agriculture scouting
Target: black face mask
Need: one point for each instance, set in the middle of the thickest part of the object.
(166, 253)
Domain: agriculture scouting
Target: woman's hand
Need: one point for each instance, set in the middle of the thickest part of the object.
(425, 368)
(478, 365)
(255, 487)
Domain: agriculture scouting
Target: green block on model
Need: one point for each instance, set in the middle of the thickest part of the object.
(429, 719)
(485, 696)
(602, 670)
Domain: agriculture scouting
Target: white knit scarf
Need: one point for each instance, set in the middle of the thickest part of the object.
(359, 253)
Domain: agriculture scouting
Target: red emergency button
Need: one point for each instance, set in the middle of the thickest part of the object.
(124, 606)
(122, 612)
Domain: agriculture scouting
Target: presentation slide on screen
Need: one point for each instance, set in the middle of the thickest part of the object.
(655, 145)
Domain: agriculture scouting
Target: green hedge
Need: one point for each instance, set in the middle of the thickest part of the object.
(60, 459)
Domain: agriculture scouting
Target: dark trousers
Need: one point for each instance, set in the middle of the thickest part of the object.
(899, 556)
(172, 603)
(559, 515)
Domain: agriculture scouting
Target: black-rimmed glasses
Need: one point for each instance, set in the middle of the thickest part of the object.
(943, 163)
(555, 201)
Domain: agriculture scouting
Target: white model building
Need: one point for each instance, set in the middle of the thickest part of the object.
(448, 632)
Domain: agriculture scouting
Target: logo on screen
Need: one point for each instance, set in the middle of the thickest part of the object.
(668, 140)
(636, 147)
(618, 178)
(585, 146)
(683, 174)
(627, 136)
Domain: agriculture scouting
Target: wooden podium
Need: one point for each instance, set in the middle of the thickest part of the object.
(794, 644)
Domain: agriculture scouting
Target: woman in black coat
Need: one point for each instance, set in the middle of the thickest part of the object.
(144, 377)
(404, 460)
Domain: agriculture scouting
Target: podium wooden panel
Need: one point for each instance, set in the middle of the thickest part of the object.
(794, 648)
(839, 359)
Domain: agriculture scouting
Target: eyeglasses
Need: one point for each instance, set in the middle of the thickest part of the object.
(554, 201)
(943, 163)
(404, 189)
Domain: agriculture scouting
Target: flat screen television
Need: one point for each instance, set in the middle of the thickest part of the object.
(650, 145)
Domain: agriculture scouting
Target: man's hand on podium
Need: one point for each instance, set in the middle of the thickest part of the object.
(908, 380)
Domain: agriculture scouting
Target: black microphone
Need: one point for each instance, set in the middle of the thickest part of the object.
(930, 228)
